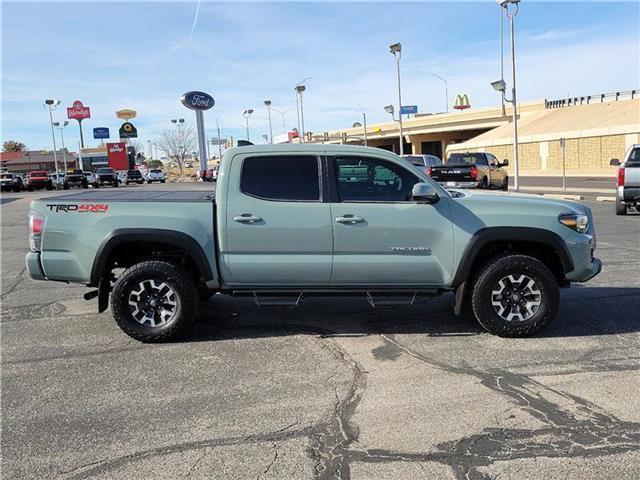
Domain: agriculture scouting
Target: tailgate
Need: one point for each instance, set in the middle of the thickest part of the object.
(452, 174)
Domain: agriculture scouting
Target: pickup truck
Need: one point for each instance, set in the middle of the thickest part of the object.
(628, 181)
(291, 221)
(75, 178)
(472, 170)
(38, 180)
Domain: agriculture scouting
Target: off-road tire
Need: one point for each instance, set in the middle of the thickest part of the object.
(186, 293)
(512, 264)
(621, 207)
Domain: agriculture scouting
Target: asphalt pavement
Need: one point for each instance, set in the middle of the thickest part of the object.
(332, 389)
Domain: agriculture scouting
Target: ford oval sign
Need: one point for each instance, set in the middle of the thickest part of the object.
(197, 100)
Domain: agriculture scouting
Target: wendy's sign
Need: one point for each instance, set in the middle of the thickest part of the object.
(78, 111)
(197, 100)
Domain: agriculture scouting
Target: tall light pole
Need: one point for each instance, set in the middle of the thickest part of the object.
(150, 150)
(364, 122)
(504, 111)
(446, 91)
(511, 15)
(179, 122)
(284, 127)
(396, 50)
(60, 127)
(219, 147)
(268, 105)
(299, 89)
(52, 104)
(246, 114)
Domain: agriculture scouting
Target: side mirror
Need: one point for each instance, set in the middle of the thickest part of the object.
(505, 163)
(614, 162)
(424, 193)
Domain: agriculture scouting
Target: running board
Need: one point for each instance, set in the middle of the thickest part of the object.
(391, 299)
(277, 299)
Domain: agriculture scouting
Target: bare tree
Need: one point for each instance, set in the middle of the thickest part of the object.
(177, 143)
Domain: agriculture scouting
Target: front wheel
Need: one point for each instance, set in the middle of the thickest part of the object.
(154, 301)
(515, 296)
(505, 184)
(621, 207)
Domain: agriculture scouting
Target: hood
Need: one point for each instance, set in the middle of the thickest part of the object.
(506, 209)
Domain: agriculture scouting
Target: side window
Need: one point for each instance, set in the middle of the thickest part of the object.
(481, 159)
(364, 179)
(291, 177)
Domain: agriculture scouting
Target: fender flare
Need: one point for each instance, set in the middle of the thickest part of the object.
(487, 235)
(124, 235)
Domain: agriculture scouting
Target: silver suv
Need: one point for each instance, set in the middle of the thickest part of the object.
(628, 184)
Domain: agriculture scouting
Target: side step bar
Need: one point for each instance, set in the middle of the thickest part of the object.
(375, 298)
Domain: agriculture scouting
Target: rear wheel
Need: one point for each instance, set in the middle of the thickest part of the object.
(515, 296)
(621, 207)
(154, 301)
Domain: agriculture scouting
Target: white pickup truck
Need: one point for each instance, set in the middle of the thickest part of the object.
(628, 184)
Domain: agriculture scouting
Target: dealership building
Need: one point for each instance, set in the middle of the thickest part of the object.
(592, 130)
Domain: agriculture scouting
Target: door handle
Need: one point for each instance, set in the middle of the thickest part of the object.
(349, 219)
(247, 218)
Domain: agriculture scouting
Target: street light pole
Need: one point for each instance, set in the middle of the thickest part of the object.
(514, 102)
(396, 50)
(364, 123)
(504, 112)
(51, 104)
(64, 152)
(284, 127)
(446, 92)
(299, 89)
(268, 105)
(246, 114)
(219, 147)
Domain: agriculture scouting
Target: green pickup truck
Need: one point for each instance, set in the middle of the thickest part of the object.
(291, 221)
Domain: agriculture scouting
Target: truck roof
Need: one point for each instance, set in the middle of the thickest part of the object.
(308, 148)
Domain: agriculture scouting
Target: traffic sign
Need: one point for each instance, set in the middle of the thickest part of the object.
(408, 109)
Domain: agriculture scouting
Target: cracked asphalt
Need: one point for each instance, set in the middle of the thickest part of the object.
(330, 390)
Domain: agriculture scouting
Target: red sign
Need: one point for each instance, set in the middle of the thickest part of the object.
(117, 156)
(293, 135)
(78, 111)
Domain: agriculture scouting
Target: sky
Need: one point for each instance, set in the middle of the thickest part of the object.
(145, 55)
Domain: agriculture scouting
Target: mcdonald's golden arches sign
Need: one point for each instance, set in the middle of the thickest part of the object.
(462, 102)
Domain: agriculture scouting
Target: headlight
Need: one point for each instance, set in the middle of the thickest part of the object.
(579, 223)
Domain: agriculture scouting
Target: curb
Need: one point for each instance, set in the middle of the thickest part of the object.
(605, 199)
(563, 196)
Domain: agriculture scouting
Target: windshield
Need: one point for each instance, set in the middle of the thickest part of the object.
(7, 175)
(156, 171)
(464, 159)
(105, 170)
(415, 159)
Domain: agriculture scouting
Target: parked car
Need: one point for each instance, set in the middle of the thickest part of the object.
(208, 175)
(424, 162)
(38, 180)
(106, 176)
(628, 182)
(11, 181)
(472, 170)
(91, 178)
(156, 175)
(287, 226)
(134, 176)
(57, 180)
(75, 179)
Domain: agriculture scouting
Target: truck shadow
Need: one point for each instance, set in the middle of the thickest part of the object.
(584, 311)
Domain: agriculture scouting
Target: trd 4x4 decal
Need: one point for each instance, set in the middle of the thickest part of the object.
(83, 207)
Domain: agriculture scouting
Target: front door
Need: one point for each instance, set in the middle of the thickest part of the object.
(278, 230)
(381, 236)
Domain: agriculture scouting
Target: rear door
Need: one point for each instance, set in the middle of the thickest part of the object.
(278, 228)
(381, 236)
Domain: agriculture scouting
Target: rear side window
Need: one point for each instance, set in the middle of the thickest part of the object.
(291, 177)
(634, 158)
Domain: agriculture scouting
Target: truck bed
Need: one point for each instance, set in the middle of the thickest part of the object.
(118, 195)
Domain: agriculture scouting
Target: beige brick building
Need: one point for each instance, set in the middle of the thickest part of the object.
(594, 129)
